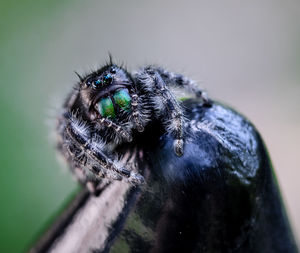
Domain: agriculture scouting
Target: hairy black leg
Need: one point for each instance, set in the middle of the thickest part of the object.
(136, 113)
(119, 130)
(175, 120)
(173, 79)
(93, 151)
(80, 143)
(78, 155)
(172, 116)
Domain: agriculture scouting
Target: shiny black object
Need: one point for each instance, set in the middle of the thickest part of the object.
(221, 196)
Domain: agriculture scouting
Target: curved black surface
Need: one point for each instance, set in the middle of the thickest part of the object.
(221, 196)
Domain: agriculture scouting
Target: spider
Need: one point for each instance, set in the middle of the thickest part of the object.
(108, 107)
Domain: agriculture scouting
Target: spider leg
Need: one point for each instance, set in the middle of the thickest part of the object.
(136, 113)
(175, 121)
(166, 104)
(82, 143)
(179, 80)
(119, 130)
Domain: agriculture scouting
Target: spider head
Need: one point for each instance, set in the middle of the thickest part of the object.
(107, 92)
(107, 76)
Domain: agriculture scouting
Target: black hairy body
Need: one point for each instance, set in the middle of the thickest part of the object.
(108, 109)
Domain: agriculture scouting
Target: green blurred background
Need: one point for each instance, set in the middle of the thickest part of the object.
(244, 53)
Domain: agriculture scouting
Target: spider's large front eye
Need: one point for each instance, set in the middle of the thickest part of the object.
(123, 99)
(106, 108)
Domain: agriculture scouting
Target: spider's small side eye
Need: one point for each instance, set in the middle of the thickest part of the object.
(88, 82)
(107, 79)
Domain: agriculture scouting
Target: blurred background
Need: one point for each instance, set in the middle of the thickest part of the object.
(244, 53)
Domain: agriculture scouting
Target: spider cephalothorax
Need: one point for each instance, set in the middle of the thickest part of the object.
(108, 107)
(110, 101)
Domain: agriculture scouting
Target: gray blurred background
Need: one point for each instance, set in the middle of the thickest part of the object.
(244, 53)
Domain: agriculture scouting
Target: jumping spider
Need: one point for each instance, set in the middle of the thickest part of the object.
(107, 107)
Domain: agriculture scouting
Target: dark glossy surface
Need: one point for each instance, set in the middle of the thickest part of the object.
(221, 196)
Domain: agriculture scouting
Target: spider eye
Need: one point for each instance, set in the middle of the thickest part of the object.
(88, 82)
(107, 79)
(97, 83)
(123, 99)
(106, 108)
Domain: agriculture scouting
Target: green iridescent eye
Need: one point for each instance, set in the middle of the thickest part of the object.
(106, 108)
(123, 99)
